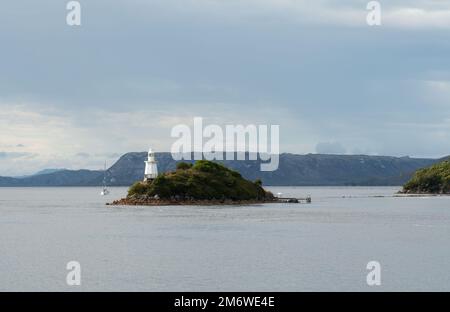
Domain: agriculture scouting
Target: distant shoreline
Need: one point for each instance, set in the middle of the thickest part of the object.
(294, 170)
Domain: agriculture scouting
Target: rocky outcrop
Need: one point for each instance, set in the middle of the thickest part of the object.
(145, 200)
(204, 182)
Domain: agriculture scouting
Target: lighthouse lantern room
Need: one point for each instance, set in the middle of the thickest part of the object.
(151, 169)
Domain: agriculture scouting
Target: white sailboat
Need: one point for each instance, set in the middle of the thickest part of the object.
(105, 190)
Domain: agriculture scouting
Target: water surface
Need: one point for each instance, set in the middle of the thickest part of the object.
(324, 246)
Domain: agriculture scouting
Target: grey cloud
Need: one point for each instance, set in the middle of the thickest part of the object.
(330, 148)
(14, 155)
(82, 155)
(108, 155)
(356, 85)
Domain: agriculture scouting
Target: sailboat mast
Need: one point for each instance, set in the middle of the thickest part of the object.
(104, 175)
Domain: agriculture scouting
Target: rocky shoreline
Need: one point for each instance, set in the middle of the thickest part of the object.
(404, 194)
(151, 201)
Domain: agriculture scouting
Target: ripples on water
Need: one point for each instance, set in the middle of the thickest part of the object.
(281, 247)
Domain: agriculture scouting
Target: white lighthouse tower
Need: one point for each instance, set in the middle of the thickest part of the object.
(151, 169)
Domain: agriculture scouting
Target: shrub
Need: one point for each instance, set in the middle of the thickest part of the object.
(184, 166)
(138, 188)
(435, 179)
(203, 180)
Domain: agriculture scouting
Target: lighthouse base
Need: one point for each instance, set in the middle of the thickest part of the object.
(149, 179)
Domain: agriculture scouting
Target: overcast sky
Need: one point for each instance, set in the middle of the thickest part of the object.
(73, 97)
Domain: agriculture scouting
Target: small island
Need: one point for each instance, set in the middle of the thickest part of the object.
(202, 183)
(434, 180)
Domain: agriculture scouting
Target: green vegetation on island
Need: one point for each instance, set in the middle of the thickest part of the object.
(431, 180)
(202, 181)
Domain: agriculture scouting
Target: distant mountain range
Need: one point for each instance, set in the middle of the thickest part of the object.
(294, 170)
(44, 171)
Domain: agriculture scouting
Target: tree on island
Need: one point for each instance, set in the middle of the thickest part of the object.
(204, 180)
(432, 180)
(184, 166)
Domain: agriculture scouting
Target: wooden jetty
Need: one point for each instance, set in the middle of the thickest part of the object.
(295, 200)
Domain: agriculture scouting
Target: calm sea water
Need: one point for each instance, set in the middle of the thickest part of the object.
(323, 246)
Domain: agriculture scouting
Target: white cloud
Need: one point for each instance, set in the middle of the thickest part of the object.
(416, 18)
(16, 155)
(439, 85)
(36, 130)
(58, 138)
(437, 92)
(398, 14)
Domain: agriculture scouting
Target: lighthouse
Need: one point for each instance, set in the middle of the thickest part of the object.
(151, 169)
